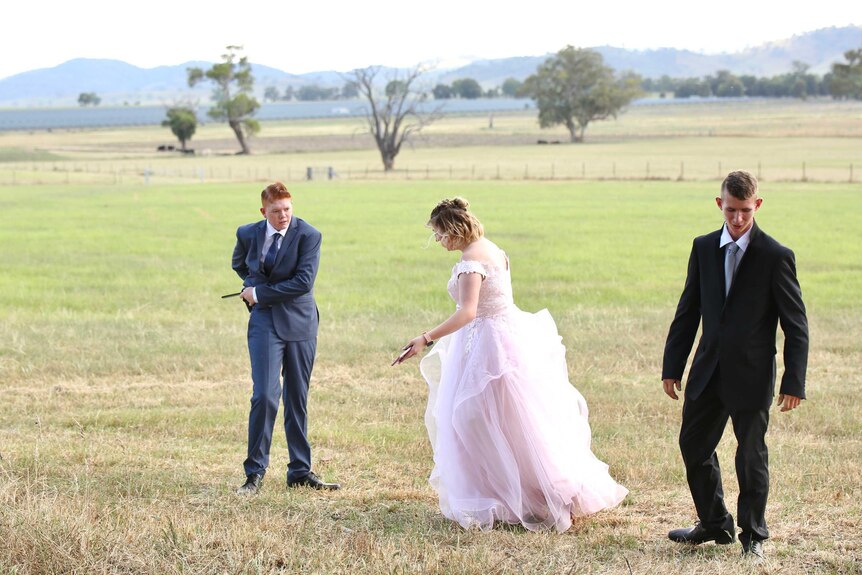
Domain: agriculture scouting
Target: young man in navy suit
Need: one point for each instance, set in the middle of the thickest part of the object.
(277, 259)
(741, 284)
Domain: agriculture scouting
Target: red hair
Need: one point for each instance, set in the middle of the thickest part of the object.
(273, 192)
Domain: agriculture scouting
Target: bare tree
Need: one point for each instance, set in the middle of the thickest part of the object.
(394, 113)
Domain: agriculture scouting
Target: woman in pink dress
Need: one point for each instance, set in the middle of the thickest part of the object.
(509, 432)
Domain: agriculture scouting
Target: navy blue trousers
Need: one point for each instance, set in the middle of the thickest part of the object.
(274, 360)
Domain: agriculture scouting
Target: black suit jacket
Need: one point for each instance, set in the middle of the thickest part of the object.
(739, 331)
(289, 288)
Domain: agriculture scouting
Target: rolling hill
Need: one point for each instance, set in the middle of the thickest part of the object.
(119, 83)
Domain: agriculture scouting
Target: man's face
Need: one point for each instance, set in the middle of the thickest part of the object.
(738, 214)
(278, 213)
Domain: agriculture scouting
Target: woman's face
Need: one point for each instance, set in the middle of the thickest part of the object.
(444, 239)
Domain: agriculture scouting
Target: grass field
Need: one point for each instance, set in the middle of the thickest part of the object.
(124, 379)
(779, 140)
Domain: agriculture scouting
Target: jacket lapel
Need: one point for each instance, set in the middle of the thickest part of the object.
(257, 249)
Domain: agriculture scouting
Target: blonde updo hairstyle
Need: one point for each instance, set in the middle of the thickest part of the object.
(453, 218)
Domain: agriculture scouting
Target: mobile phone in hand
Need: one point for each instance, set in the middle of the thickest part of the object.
(401, 357)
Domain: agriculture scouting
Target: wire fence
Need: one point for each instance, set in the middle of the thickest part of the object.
(47, 173)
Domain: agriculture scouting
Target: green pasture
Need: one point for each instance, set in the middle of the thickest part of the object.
(124, 377)
(779, 140)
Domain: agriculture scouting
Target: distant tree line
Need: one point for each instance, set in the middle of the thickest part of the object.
(572, 88)
(467, 88)
(311, 93)
(844, 81)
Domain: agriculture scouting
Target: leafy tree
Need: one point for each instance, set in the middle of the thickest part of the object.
(349, 91)
(271, 94)
(442, 92)
(395, 87)
(726, 85)
(467, 88)
(232, 94)
(183, 122)
(88, 99)
(574, 88)
(510, 87)
(394, 116)
(846, 79)
(688, 87)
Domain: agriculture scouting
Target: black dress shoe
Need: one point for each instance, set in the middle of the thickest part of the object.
(313, 481)
(698, 534)
(753, 550)
(252, 484)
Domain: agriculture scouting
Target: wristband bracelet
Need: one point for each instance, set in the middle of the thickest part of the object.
(428, 341)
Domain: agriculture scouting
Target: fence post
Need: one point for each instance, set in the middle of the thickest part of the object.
(851, 173)
(526, 171)
(498, 171)
(552, 170)
(681, 171)
(804, 178)
(758, 170)
(719, 170)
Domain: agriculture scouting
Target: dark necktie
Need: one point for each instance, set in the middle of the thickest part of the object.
(269, 259)
(730, 263)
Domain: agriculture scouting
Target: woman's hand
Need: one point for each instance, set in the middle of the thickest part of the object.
(413, 347)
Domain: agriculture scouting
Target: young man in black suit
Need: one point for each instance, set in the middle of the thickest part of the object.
(741, 283)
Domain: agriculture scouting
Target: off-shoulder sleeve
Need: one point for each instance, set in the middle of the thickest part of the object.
(470, 267)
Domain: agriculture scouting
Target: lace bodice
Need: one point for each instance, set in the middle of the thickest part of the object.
(495, 295)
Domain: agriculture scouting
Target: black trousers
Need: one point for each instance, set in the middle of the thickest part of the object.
(703, 422)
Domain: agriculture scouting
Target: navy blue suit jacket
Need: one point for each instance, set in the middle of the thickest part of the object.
(289, 288)
(739, 330)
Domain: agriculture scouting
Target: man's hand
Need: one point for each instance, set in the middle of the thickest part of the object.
(248, 295)
(669, 385)
(788, 402)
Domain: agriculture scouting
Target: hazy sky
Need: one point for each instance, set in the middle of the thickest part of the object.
(309, 35)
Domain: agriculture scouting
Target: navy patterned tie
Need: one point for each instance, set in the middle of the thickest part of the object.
(269, 260)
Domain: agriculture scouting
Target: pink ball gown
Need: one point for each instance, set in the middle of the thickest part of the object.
(509, 432)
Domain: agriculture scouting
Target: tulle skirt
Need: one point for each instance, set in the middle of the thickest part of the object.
(509, 432)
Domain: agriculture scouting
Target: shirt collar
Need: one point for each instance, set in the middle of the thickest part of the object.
(271, 230)
(742, 242)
